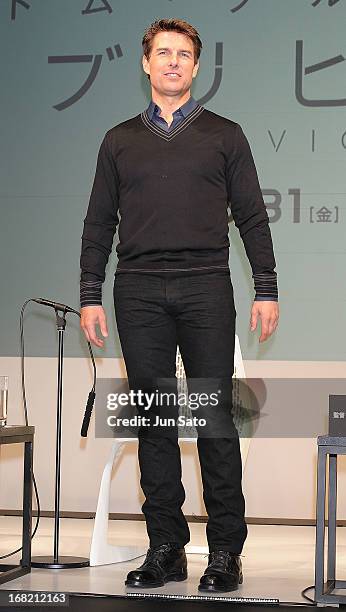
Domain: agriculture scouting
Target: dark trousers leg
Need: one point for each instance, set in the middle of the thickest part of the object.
(147, 335)
(206, 336)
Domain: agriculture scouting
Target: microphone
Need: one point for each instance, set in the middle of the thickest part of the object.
(87, 414)
(56, 305)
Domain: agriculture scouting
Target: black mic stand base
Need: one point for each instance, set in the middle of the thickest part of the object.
(63, 562)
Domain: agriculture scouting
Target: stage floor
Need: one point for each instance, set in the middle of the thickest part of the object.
(278, 561)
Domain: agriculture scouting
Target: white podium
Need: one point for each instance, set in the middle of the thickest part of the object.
(103, 553)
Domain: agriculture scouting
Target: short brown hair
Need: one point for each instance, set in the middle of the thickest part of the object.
(171, 25)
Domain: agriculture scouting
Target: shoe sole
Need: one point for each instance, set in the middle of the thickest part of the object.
(170, 578)
(212, 589)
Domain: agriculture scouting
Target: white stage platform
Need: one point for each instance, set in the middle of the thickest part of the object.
(278, 561)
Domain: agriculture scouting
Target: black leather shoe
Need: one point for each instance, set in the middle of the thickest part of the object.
(224, 572)
(162, 564)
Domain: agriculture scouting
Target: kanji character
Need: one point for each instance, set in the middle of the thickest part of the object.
(14, 7)
(309, 70)
(217, 75)
(105, 7)
(324, 214)
(73, 59)
(239, 6)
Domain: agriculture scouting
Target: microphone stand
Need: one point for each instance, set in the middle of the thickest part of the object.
(56, 561)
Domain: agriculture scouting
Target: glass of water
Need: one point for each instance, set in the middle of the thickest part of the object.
(3, 399)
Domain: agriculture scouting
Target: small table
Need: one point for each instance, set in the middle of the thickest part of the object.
(14, 434)
(328, 446)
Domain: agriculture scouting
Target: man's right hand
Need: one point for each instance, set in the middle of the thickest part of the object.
(90, 317)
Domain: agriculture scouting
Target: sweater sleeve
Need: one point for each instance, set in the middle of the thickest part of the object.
(250, 216)
(100, 225)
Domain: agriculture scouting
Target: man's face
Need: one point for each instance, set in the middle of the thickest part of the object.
(171, 65)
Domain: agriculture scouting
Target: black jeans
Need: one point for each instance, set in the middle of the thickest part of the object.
(155, 312)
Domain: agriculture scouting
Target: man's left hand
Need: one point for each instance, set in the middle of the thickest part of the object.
(268, 312)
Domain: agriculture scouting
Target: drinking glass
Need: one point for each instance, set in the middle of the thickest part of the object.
(3, 399)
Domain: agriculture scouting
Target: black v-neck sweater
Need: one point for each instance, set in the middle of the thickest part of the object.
(171, 191)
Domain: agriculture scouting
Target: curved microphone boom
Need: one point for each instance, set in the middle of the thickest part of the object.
(56, 305)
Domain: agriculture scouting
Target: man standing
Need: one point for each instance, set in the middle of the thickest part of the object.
(171, 173)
